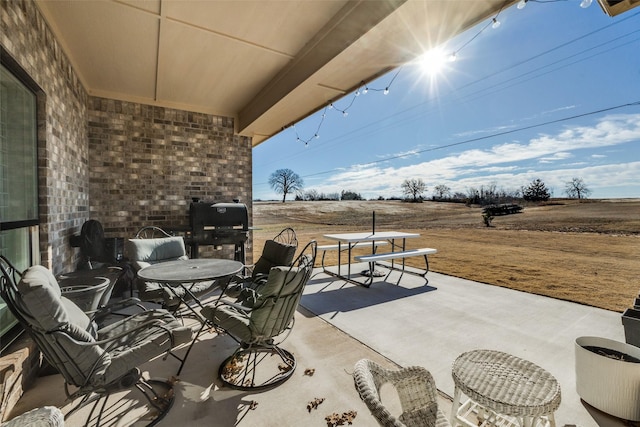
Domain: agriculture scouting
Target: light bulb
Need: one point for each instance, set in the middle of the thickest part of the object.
(345, 114)
(317, 136)
(357, 93)
(330, 106)
(585, 4)
(365, 90)
(386, 91)
(522, 4)
(496, 23)
(453, 56)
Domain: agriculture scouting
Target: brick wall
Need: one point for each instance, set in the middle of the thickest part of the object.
(62, 129)
(146, 163)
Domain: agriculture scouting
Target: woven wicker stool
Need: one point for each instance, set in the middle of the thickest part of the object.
(503, 390)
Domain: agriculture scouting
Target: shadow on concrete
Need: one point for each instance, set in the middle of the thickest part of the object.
(331, 295)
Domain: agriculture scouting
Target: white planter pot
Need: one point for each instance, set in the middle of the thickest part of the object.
(610, 385)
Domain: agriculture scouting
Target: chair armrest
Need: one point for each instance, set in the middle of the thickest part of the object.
(105, 310)
(155, 323)
(415, 386)
(235, 305)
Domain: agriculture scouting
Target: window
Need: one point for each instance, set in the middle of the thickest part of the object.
(18, 176)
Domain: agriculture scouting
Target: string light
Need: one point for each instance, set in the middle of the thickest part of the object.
(494, 23)
(522, 3)
(363, 89)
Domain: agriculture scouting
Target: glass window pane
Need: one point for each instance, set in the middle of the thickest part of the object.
(18, 150)
(14, 244)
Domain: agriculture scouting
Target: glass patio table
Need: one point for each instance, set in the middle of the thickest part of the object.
(186, 273)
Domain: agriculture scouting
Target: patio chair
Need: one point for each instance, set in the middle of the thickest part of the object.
(415, 388)
(278, 251)
(47, 416)
(94, 363)
(259, 321)
(153, 245)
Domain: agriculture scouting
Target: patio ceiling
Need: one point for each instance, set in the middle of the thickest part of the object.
(266, 63)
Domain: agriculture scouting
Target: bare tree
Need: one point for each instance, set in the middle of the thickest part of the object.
(577, 189)
(441, 191)
(311, 195)
(414, 187)
(285, 181)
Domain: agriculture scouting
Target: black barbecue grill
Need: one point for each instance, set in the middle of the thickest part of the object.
(218, 224)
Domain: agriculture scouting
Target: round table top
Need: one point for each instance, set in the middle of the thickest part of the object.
(506, 384)
(191, 270)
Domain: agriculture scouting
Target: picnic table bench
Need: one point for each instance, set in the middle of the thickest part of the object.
(334, 247)
(375, 258)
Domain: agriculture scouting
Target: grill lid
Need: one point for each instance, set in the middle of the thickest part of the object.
(212, 215)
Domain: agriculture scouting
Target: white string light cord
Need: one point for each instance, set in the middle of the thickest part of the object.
(364, 89)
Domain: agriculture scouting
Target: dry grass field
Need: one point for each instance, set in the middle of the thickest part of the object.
(585, 252)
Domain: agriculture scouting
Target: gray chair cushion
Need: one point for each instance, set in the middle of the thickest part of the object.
(141, 345)
(273, 254)
(144, 252)
(43, 300)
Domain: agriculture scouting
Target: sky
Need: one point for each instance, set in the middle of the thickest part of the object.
(553, 93)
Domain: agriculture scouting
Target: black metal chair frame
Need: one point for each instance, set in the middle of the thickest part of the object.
(159, 394)
(239, 370)
(151, 232)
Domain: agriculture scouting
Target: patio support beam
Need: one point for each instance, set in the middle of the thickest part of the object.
(353, 21)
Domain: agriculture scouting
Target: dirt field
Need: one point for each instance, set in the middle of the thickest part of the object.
(585, 252)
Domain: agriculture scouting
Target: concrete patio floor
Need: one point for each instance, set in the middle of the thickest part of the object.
(396, 325)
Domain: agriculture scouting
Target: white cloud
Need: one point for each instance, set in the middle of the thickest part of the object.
(555, 157)
(480, 166)
(487, 131)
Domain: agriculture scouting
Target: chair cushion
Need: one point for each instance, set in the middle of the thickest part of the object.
(152, 251)
(62, 323)
(232, 320)
(140, 345)
(43, 300)
(254, 294)
(274, 254)
(262, 322)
